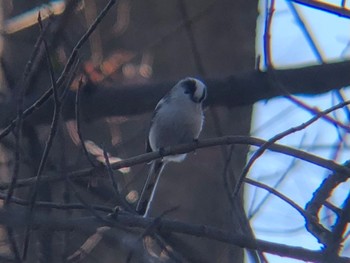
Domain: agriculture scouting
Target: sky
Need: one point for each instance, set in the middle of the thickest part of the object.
(277, 221)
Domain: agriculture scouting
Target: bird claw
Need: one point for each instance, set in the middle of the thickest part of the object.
(161, 151)
(115, 212)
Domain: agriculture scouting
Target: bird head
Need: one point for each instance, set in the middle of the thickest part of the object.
(194, 88)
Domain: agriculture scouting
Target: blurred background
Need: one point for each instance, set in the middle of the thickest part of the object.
(134, 56)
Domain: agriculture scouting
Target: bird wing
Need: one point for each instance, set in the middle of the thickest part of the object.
(148, 146)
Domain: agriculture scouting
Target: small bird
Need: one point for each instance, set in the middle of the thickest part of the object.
(178, 118)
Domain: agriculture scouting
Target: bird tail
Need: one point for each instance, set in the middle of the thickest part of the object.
(149, 187)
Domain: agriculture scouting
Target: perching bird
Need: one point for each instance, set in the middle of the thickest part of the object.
(178, 118)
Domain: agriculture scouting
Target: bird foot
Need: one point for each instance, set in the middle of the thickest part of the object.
(161, 151)
(196, 142)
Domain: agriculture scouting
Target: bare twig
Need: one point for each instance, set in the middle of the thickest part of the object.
(37, 104)
(318, 54)
(335, 240)
(237, 89)
(314, 111)
(340, 95)
(13, 244)
(218, 129)
(253, 212)
(269, 10)
(281, 135)
(305, 214)
(308, 36)
(20, 90)
(323, 192)
(59, 206)
(323, 6)
(89, 245)
(48, 145)
(150, 235)
(78, 121)
(120, 199)
(53, 38)
(20, 97)
(86, 224)
(89, 207)
(321, 195)
(226, 177)
(186, 148)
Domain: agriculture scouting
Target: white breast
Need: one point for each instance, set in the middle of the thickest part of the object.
(178, 121)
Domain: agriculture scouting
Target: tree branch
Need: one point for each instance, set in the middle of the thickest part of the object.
(186, 148)
(86, 224)
(329, 8)
(281, 135)
(38, 103)
(239, 89)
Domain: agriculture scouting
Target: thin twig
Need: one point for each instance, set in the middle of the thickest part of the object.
(70, 79)
(226, 177)
(117, 194)
(341, 97)
(292, 164)
(89, 207)
(19, 92)
(20, 97)
(86, 224)
(269, 10)
(66, 195)
(323, 6)
(78, 121)
(13, 244)
(316, 49)
(38, 103)
(201, 70)
(48, 145)
(306, 31)
(305, 214)
(315, 111)
(281, 135)
(186, 148)
(151, 230)
(59, 206)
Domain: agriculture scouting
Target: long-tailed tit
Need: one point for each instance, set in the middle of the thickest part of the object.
(178, 118)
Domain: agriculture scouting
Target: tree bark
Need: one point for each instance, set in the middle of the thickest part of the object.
(238, 89)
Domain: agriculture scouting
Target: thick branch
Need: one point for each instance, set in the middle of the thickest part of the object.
(236, 90)
(15, 219)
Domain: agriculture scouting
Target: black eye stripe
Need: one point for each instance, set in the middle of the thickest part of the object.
(189, 86)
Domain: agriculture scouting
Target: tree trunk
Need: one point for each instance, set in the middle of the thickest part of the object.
(219, 40)
(225, 42)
